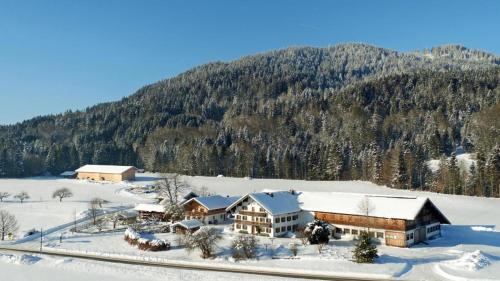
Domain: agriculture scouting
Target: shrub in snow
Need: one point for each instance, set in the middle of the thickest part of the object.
(365, 251)
(317, 232)
(153, 245)
(244, 247)
(205, 239)
(131, 236)
(134, 238)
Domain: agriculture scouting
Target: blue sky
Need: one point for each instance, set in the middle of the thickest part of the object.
(68, 54)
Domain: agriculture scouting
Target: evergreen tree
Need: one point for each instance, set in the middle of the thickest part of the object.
(492, 171)
(334, 162)
(400, 174)
(453, 175)
(365, 251)
(471, 184)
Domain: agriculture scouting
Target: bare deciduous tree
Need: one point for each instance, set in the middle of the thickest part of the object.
(4, 195)
(303, 235)
(244, 247)
(365, 206)
(23, 195)
(8, 224)
(94, 209)
(205, 239)
(171, 187)
(320, 247)
(115, 218)
(99, 201)
(62, 193)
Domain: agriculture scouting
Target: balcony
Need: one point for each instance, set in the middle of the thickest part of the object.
(255, 223)
(253, 214)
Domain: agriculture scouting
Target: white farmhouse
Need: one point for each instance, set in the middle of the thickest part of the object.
(266, 213)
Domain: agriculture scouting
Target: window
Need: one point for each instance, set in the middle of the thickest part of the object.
(338, 230)
(354, 232)
(253, 209)
(283, 219)
(244, 208)
(277, 220)
(262, 210)
(244, 218)
(238, 226)
(295, 217)
(409, 236)
(238, 217)
(380, 235)
(288, 228)
(347, 231)
(295, 226)
(283, 229)
(268, 220)
(289, 218)
(433, 228)
(277, 230)
(268, 229)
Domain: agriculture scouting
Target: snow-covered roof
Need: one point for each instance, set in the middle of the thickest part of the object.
(189, 224)
(384, 206)
(157, 208)
(67, 173)
(105, 169)
(275, 202)
(214, 202)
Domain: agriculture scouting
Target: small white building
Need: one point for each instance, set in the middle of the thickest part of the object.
(266, 213)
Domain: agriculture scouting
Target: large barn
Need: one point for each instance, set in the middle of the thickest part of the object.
(106, 173)
(399, 221)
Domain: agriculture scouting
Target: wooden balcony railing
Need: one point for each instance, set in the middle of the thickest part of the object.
(253, 214)
(256, 223)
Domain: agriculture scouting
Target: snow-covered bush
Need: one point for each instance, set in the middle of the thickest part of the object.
(317, 232)
(153, 245)
(131, 236)
(134, 238)
(244, 247)
(205, 239)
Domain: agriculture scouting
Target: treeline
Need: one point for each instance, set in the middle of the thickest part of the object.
(341, 113)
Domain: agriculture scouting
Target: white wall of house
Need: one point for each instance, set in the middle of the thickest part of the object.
(280, 224)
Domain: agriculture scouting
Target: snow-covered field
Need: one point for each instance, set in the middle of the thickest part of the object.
(468, 250)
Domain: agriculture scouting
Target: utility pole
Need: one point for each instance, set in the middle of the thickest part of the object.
(41, 238)
(74, 221)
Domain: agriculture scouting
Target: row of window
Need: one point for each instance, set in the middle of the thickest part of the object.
(261, 229)
(433, 228)
(288, 218)
(356, 232)
(244, 218)
(286, 228)
(409, 236)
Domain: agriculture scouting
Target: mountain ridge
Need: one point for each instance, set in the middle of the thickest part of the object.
(300, 112)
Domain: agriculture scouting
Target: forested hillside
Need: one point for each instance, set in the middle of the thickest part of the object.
(351, 111)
